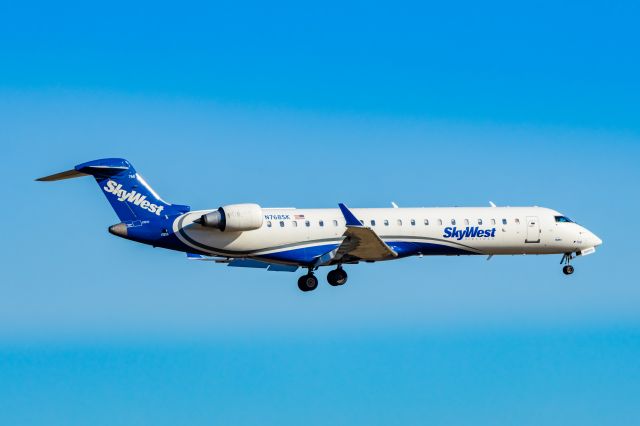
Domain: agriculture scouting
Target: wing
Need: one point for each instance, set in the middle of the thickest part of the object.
(252, 263)
(360, 243)
(365, 244)
(244, 263)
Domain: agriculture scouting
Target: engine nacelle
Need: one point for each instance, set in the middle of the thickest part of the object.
(234, 218)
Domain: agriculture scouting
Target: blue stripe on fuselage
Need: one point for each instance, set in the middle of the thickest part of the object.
(300, 256)
(404, 249)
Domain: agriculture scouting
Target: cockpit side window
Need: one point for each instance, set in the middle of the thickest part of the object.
(563, 219)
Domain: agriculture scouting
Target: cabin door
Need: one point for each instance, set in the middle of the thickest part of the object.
(533, 229)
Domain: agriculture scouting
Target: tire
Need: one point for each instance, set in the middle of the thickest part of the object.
(307, 282)
(337, 277)
(332, 278)
(568, 270)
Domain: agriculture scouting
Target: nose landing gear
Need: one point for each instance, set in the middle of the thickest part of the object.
(566, 259)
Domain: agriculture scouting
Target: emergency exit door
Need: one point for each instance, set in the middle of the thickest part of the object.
(533, 229)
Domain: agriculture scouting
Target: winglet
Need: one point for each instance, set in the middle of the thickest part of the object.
(351, 219)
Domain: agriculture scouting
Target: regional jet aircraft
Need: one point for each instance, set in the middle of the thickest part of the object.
(285, 239)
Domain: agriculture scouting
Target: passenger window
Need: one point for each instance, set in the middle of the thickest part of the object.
(335, 223)
(321, 223)
(307, 223)
(479, 221)
(426, 222)
(453, 221)
(373, 222)
(295, 223)
(493, 221)
(386, 222)
(413, 222)
(440, 222)
(466, 221)
(268, 224)
(399, 222)
(281, 224)
(504, 221)
(362, 222)
(517, 221)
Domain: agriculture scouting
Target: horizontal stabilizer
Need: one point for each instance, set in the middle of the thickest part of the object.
(130, 196)
(69, 174)
(86, 169)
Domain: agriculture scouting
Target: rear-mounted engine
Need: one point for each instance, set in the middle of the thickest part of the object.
(233, 218)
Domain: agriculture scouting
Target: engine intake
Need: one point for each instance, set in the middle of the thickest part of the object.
(233, 218)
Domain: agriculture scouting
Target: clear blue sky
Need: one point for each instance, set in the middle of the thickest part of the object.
(311, 105)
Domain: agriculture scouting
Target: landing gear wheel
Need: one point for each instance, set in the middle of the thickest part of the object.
(566, 258)
(307, 282)
(337, 277)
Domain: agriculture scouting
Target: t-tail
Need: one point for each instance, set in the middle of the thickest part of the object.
(131, 197)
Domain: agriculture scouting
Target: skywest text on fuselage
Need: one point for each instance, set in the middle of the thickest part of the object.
(468, 232)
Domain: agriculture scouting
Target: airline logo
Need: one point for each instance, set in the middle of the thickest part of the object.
(133, 197)
(468, 232)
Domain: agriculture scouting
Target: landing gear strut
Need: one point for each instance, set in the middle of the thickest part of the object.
(337, 276)
(566, 259)
(308, 282)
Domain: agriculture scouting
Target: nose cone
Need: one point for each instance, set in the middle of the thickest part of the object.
(596, 241)
(590, 239)
(586, 238)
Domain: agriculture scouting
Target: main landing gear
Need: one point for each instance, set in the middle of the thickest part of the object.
(566, 259)
(335, 277)
(308, 282)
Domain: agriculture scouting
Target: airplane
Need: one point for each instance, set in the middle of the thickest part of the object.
(286, 239)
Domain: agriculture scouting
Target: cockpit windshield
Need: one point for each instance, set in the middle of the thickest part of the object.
(563, 219)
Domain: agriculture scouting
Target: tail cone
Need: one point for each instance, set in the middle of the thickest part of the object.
(119, 229)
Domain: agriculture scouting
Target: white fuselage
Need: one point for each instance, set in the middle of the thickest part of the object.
(295, 235)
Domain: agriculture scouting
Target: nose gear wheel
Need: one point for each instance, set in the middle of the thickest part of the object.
(566, 260)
